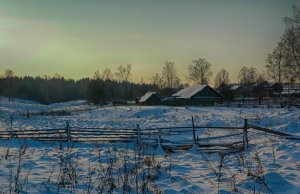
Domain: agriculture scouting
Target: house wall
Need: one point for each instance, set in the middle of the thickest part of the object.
(195, 102)
(207, 92)
(206, 102)
(207, 97)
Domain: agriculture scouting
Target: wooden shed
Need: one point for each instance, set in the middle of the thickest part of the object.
(150, 98)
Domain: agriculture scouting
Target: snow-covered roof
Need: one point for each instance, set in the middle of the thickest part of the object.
(189, 92)
(146, 96)
(234, 86)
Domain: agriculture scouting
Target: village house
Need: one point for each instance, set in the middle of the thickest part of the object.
(150, 98)
(261, 93)
(197, 95)
(290, 89)
(287, 93)
(257, 93)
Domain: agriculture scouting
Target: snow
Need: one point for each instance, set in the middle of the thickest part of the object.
(271, 165)
(234, 86)
(277, 183)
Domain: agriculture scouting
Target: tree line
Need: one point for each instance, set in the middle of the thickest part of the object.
(106, 86)
(101, 88)
(199, 72)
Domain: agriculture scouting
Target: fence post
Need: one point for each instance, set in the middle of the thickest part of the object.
(245, 138)
(194, 132)
(159, 150)
(138, 135)
(60, 141)
(11, 126)
(68, 130)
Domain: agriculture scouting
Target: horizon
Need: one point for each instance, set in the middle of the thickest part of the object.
(74, 38)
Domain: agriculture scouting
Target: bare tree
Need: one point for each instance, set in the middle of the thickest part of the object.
(169, 75)
(291, 45)
(107, 74)
(199, 71)
(261, 77)
(9, 83)
(157, 80)
(97, 75)
(58, 76)
(124, 73)
(294, 21)
(248, 75)
(289, 48)
(142, 81)
(275, 64)
(9, 73)
(222, 79)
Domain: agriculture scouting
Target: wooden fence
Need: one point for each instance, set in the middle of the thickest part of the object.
(152, 136)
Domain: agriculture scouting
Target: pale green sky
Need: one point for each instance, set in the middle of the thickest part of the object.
(77, 37)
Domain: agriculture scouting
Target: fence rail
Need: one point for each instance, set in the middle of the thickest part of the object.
(150, 135)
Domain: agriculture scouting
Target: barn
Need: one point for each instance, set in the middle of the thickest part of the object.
(150, 98)
(197, 95)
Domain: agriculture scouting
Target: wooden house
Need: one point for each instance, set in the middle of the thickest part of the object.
(286, 93)
(257, 93)
(290, 89)
(197, 95)
(150, 98)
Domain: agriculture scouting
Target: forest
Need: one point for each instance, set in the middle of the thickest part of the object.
(54, 89)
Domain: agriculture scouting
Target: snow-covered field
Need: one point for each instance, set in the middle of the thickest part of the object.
(270, 165)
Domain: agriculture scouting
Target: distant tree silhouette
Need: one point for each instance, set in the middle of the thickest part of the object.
(9, 73)
(199, 71)
(283, 64)
(51, 89)
(123, 74)
(169, 75)
(248, 76)
(157, 80)
(275, 64)
(9, 83)
(107, 74)
(222, 79)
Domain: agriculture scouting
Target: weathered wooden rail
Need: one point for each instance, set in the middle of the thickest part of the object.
(154, 136)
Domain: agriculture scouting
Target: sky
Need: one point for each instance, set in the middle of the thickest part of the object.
(77, 37)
